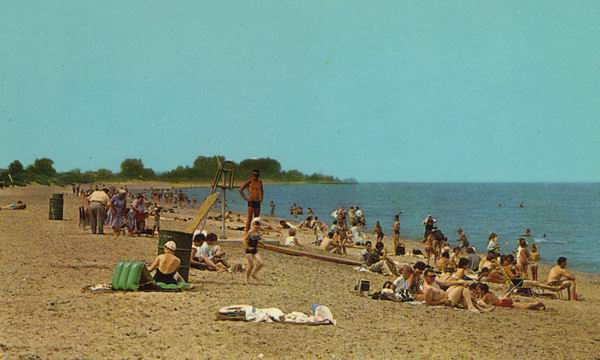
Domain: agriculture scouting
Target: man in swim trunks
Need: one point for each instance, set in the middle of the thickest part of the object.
(254, 198)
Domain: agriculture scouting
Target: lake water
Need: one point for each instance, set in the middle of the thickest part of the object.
(568, 214)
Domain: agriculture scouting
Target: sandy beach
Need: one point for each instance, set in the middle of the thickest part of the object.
(46, 315)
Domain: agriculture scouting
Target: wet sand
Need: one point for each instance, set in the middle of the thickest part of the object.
(44, 313)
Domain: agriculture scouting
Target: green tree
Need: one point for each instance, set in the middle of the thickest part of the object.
(104, 174)
(43, 166)
(206, 167)
(132, 168)
(269, 168)
(16, 168)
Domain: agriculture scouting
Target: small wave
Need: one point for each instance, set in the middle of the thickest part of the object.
(546, 241)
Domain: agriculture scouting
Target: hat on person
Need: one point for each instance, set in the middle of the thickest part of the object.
(256, 220)
(122, 191)
(171, 245)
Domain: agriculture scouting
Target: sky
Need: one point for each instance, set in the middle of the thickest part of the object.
(425, 91)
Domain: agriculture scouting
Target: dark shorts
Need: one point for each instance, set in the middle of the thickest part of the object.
(396, 232)
(254, 204)
(251, 250)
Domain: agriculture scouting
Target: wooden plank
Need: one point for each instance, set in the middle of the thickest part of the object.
(203, 211)
(239, 241)
(294, 252)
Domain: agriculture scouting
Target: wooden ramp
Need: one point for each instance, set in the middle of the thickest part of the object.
(295, 252)
(202, 212)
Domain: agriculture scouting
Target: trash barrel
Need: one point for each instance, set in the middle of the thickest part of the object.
(184, 249)
(55, 209)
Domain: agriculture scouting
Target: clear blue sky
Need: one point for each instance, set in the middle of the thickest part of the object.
(378, 91)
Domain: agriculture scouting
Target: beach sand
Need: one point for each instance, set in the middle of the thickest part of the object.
(45, 314)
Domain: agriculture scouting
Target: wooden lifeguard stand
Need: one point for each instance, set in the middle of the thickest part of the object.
(224, 180)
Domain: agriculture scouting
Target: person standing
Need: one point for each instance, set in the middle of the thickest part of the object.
(118, 204)
(99, 203)
(139, 208)
(429, 222)
(254, 198)
(272, 206)
(396, 228)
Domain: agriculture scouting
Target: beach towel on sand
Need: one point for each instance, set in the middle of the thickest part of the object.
(133, 276)
(321, 315)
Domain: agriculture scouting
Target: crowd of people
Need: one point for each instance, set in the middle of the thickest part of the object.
(453, 276)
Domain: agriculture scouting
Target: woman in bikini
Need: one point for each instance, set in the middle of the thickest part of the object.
(487, 297)
(166, 265)
(255, 261)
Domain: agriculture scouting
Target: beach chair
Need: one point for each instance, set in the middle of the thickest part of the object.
(516, 287)
(134, 276)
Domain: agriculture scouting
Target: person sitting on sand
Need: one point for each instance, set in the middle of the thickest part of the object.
(413, 280)
(487, 297)
(356, 236)
(443, 262)
(166, 265)
(251, 240)
(200, 257)
(19, 205)
(329, 244)
(473, 258)
(559, 276)
(461, 269)
(457, 294)
(291, 240)
(455, 257)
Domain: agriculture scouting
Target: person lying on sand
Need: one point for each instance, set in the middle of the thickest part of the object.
(457, 294)
(487, 297)
(560, 277)
(19, 205)
(166, 265)
(411, 279)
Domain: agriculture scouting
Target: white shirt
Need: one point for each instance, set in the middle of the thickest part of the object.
(289, 241)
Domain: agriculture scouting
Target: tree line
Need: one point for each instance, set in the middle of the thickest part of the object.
(203, 169)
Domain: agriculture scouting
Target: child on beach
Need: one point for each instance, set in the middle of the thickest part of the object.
(493, 244)
(533, 265)
(523, 258)
(255, 261)
(131, 221)
(156, 227)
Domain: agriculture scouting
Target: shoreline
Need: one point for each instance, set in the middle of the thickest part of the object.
(45, 313)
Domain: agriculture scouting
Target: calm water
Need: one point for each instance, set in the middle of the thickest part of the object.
(568, 214)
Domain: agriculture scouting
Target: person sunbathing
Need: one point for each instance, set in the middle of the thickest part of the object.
(457, 294)
(19, 205)
(487, 297)
(166, 265)
(561, 278)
